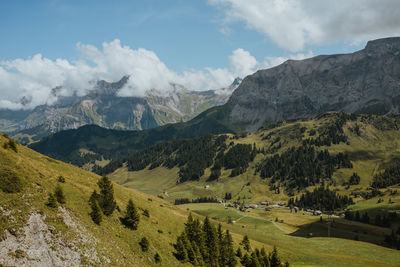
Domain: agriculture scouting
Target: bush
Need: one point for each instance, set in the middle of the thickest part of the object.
(11, 144)
(59, 194)
(157, 258)
(144, 244)
(61, 179)
(10, 182)
(146, 213)
(52, 201)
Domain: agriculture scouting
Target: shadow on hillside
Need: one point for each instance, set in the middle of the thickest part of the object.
(344, 229)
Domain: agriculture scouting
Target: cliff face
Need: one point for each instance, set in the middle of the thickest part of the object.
(367, 81)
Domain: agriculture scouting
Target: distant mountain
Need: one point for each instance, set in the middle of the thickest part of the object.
(367, 81)
(103, 107)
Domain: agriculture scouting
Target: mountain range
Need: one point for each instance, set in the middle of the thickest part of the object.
(103, 107)
(366, 81)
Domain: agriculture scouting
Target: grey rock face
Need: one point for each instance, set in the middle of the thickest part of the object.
(367, 81)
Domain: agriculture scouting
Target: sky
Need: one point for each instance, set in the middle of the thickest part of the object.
(201, 44)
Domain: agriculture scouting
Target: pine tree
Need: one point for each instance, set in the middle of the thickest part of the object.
(52, 201)
(106, 200)
(96, 213)
(254, 260)
(229, 253)
(180, 248)
(246, 243)
(94, 197)
(274, 258)
(59, 194)
(131, 219)
(211, 241)
(144, 244)
(220, 236)
(239, 253)
(246, 260)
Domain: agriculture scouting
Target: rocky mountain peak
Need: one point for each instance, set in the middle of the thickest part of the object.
(389, 45)
(109, 88)
(366, 81)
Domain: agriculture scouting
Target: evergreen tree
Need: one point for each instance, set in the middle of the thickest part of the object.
(106, 199)
(246, 260)
(96, 213)
(228, 251)
(94, 197)
(221, 245)
(246, 243)
(274, 258)
(180, 248)
(131, 219)
(239, 253)
(52, 201)
(144, 244)
(254, 260)
(59, 194)
(211, 241)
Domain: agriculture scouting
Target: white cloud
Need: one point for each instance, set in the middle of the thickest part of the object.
(294, 24)
(34, 78)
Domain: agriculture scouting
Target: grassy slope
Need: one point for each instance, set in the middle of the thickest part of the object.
(369, 150)
(115, 242)
(290, 237)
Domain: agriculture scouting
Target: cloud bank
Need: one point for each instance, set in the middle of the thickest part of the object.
(33, 79)
(294, 24)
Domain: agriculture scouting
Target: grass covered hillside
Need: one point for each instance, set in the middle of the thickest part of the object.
(34, 234)
(344, 165)
(288, 157)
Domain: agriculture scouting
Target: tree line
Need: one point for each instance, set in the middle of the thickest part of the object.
(389, 177)
(300, 167)
(180, 201)
(322, 199)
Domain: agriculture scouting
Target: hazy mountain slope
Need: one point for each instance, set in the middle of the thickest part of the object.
(33, 234)
(103, 107)
(90, 143)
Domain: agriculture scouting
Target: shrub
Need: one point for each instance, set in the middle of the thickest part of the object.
(52, 201)
(10, 182)
(157, 258)
(146, 213)
(144, 244)
(59, 194)
(61, 179)
(11, 144)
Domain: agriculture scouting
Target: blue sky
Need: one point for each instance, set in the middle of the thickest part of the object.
(184, 34)
(200, 44)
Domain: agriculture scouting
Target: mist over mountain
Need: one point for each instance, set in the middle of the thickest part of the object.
(104, 107)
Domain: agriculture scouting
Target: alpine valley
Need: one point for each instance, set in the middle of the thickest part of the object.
(296, 165)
